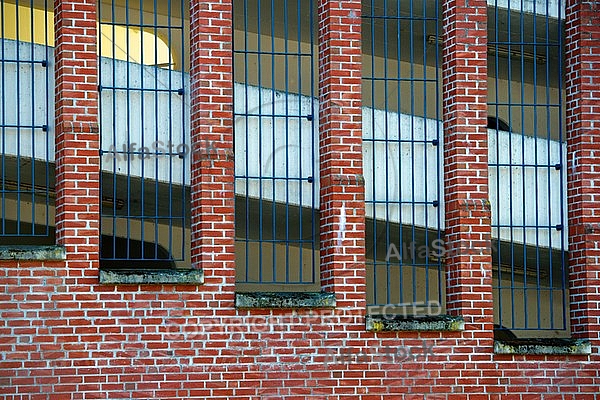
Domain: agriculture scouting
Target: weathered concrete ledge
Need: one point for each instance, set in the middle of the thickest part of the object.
(543, 346)
(285, 300)
(383, 323)
(160, 276)
(42, 253)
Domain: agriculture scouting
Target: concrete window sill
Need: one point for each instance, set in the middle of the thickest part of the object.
(381, 323)
(149, 276)
(543, 346)
(285, 300)
(28, 253)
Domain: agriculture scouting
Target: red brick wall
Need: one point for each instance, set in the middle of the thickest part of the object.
(583, 174)
(212, 174)
(76, 134)
(468, 213)
(342, 202)
(64, 336)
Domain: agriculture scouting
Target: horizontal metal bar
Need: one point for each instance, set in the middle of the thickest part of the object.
(433, 203)
(147, 154)
(140, 89)
(516, 44)
(44, 63)
(432, 141)
(34, 192)
(273, 178)
(286, 116)
(526, 226)
(400, 17)
(272, 53)
(549, 166)
(42, 127)
(396, 79)
(26, 232)
(129, 25)
(281, 282)
(515, 104)
(532, 288)
(275, 240)
(150, 217)
(402, 264)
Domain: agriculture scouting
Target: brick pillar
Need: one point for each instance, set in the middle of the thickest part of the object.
(583, 153)
(468, 212)
(77, 137)
(212, 174)
(342, 184)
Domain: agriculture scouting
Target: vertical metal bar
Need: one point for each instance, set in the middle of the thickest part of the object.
(156, 137)
(510, 169)
(412, 151)
(18, 116)
(386, 124)
(437, 143)
(142, 120)
(536, 173)
(549, 162)
(425, 137)
(260, 142)
(522, 167)
(128, 108)
(171, 139)
(32, 110)
(373, 143)
(314, 145)
(274, 121)
(497, 114)
(563, 261)
(113, 96)
(287, 143)
(184, 119)
(2, 65)
(247, 132)
(46, 119)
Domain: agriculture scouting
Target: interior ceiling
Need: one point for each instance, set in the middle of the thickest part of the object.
(503, 26)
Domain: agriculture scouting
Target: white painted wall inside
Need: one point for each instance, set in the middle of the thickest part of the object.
(406, 166)
(25, 106)
(533, 6)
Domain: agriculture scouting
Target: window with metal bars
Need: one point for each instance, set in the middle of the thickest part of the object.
(527, 167)
(402, 156)
(145, 149)
(276, 145)
(26, 113)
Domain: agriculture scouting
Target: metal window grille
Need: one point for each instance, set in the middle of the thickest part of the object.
(402, 156)
(527, 165)
(276, 143)
(145, 152)
(26, 90)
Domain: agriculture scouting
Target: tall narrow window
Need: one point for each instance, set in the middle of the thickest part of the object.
(527, 167)
(402, 156)
(276, 145)
(26, 117)
(145, 150)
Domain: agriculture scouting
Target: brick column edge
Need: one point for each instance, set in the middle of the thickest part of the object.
(583, 160)
(342, 207)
